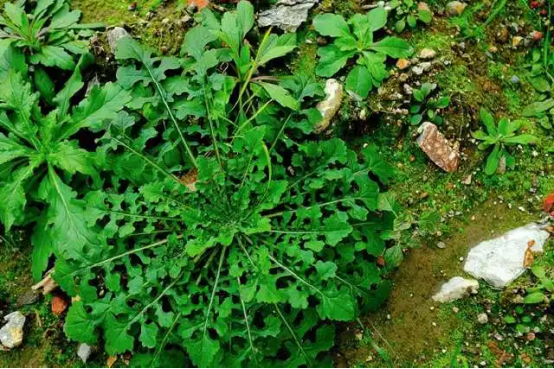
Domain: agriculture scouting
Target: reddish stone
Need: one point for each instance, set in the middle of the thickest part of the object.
(437, 147)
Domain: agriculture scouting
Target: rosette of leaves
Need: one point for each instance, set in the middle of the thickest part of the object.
(247, 268)
(408, 13)
(357, 38)
(426, 105)
(40, 159)
(47, 32)
(500, 137)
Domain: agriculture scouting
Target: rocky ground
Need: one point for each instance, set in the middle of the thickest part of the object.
(474, 64)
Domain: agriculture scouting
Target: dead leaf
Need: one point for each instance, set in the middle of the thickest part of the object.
(48, 284)
(198, 4)
(502, 356)
(528, 258)
(111, 361)
(380, 260)
(190, 179)
(59, 304)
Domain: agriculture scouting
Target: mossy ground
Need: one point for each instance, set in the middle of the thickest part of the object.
(402, 333)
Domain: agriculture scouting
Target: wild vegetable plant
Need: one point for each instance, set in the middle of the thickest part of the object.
(427, 106)
(408, 13)
(357, 38)
(39, 159)
(48, 33)
(500, 136)
(542, 292)
(541, 77)
(232, 239)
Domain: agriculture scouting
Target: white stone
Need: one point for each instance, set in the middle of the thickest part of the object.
(501, 260)
(114, 36)
(331, 105)
(84, 352)
(455, 289)
(11, 334)
(483, 318)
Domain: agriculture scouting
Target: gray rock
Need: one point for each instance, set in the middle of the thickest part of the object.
(483, 318)
(441, 245)
(288, 15)
(84, 351)
(417, 70)
(114, 35)
(331, 105)
(11, 334)
(501, 260)
(455, 289)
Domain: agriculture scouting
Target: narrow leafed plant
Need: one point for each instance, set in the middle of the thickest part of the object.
(357, 38)
(427, 106)
(48, 34)
(227, 237)
(39, 158)
(500, 137)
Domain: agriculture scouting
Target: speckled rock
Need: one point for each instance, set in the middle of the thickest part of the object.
(437, 147)
(427, 53)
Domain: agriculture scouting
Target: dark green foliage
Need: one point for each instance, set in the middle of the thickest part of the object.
(408, 13)
(355, 38)
(49, 34)
(426, 106)
(228, 236)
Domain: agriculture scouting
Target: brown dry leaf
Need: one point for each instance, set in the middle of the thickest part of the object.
(190, 179)
(59, 304)
(48, 284)
(526, 358)
(111, 361)
(381, 261)
(198, 4)
(501, 355)
(528, 258)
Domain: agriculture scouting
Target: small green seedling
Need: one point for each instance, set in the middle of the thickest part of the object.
(500, 137)
(408, 12)
(426, 105)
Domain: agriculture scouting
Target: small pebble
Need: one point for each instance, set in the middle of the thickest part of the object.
(441, 245)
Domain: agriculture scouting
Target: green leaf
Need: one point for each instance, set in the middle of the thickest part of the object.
(68, 156)
(377, 18)
(493, 160)
(416, 119)
(79, 325)
(521, 139)
(488, 120)
(276, 47)
(203, 352)
(53, 56)
(375, 164)
(148, 333)
(358, 82)
(13, 199)
(196, 40)
(336, 306)
(534, 298)
(279, 94)
(44, 85)
(118, 339)
(425, 16)
(332, 25)
(537, 108)
(332, 59)
(394, 47)
(43, 248)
